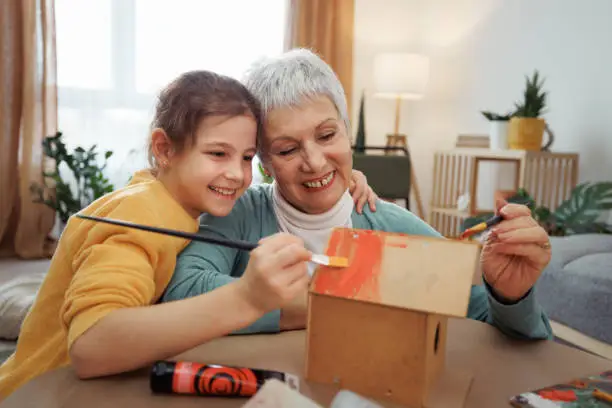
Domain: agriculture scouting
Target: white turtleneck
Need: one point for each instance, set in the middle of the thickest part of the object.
(314, 229)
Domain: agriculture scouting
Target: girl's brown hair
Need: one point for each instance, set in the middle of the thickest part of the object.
(195, 96)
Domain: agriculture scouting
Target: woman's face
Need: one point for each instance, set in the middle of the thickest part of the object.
(307, 150)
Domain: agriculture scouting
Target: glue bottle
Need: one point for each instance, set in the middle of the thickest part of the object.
(182, 377)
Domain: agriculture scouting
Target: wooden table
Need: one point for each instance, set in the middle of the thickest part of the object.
(501, 368)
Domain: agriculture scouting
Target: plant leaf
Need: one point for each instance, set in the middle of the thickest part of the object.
(586, 204)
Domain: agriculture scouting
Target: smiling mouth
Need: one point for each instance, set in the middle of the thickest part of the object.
(321, 183)
(229, 193)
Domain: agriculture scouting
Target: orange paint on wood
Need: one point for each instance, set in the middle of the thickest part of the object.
(398, 245)
(359, 280)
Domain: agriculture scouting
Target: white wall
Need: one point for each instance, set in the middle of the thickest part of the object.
(480, 51)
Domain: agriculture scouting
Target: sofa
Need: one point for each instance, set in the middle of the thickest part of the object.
(576, 287)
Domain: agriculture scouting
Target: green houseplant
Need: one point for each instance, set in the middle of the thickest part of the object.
(534, 98)
(492, 116)
(360, 141)
(581, 213)
(89, 180)
(526, 127)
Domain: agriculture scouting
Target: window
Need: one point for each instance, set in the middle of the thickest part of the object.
(113, 56)
(84, 44)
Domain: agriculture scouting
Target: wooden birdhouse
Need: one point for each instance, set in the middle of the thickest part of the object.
(378, 327)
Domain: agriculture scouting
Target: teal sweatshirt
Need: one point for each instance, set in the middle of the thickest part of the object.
(202, 267)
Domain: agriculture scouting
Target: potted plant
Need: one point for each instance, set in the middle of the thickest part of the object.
(88, 183)
(526, 130)
(581, 213)
(498, 134)
(360, 142)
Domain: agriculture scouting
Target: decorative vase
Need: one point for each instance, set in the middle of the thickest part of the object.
(526, 133)
(498, 135)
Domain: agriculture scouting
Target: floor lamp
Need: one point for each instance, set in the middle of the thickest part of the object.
(402, 76)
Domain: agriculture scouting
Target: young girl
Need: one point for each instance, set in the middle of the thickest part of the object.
(96, 309)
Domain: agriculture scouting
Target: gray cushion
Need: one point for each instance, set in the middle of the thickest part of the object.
(576, 287)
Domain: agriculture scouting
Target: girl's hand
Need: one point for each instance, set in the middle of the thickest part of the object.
(276, 273)
(362, 192)
(516, 252)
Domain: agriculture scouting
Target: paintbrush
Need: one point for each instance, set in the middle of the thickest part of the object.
(602, 396)
(335, 261)
(481, 226)
(478, 228)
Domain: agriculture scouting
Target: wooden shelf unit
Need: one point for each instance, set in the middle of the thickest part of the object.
(549, 177)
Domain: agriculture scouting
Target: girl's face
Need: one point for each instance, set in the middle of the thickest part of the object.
(209, 175)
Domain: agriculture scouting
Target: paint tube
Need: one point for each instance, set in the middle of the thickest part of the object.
(182, 377)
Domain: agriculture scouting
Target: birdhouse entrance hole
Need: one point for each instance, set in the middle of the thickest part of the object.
(437, 338)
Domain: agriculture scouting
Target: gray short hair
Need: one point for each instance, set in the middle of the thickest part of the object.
(289, 78)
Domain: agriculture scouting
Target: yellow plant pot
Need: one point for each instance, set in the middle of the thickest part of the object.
(526, 133)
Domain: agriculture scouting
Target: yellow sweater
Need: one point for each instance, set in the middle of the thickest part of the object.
(96, 269)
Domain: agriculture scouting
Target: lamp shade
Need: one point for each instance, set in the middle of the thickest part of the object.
(401, 74)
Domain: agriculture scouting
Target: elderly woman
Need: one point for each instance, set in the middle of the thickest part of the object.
(305, 146)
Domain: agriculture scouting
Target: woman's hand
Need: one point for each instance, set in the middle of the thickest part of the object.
(361, 191)
(516, 252)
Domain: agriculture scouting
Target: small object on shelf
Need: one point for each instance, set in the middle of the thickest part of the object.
(463, 202)
(473, 141)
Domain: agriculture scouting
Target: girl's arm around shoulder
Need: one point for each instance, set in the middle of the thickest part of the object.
(111, 323)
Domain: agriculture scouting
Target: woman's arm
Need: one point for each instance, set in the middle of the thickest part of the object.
(524, 319)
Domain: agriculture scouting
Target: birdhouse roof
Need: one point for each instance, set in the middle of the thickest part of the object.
(419, 273)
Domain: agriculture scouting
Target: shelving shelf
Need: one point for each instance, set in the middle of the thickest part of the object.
(549, 177)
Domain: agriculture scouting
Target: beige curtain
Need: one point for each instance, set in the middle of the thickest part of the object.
(326, 27)
(28, 113)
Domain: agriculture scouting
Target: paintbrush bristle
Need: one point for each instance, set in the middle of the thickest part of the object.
(338, 261)
(334, 261)
(474, 230)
